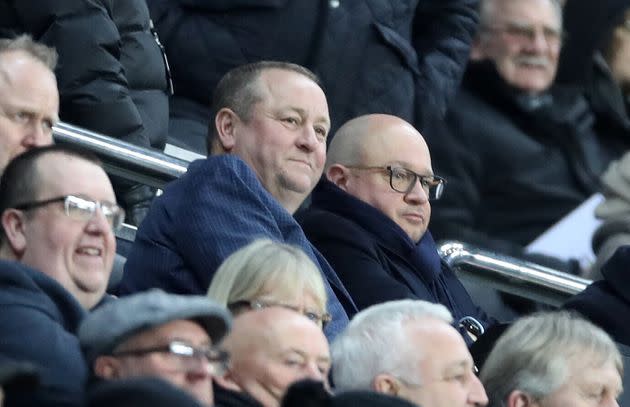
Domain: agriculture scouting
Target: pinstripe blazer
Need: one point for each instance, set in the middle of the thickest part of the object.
(217, 207)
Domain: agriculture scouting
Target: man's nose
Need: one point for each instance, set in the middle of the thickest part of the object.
(417, 193)
(99, 223)
(539, 41)
(477, 396)
(312, 371)
(308, 138)
(37, 135)
(198, 368)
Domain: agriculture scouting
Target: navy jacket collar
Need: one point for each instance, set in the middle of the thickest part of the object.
(423, 255)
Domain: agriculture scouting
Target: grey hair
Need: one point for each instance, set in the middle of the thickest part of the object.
(42, 53)
(487, 12)
(376, 341)
(533, 355)
(265, 267)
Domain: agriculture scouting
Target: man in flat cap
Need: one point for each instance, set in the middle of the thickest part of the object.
(173, 337)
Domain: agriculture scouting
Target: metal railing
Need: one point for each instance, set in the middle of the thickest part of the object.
(123, 159)
(511, 275)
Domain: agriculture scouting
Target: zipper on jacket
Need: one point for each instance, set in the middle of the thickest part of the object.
(167, 67)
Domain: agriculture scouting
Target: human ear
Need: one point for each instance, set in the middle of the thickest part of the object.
(338, 175)
(227, 381)
(386, 384)
(519, 398)
(13, 224)
(225, 122)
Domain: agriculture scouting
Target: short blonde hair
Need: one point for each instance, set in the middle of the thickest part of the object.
(266, 267)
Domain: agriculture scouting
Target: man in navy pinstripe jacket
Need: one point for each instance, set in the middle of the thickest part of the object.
(266, 153)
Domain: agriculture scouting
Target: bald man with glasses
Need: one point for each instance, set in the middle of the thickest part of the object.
(58, 213)
(369, 218)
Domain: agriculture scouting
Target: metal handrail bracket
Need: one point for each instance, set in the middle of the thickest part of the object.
(511, 275)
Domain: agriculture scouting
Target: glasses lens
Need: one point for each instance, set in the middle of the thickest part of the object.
(433, 186)
(114, 214)
(181, 349)
(79, 208)
(188, 356)
(401, 179)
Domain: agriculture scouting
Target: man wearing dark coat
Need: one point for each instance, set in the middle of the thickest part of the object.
(267, 150)
(58, 214)
(520, 153)
(369, 217)
(606, 302)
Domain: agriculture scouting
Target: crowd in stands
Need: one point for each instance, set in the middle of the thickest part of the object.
(295, 264)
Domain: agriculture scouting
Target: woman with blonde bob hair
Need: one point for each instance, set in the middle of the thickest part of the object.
(266, 273)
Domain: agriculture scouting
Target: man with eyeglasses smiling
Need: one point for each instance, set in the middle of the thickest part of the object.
(369, 218)
(58, 214)
(173, 337)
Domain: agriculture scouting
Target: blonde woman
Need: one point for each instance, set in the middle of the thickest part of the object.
(267, 273)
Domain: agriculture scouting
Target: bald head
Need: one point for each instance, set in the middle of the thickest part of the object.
(271, 348)
(370, 137)
(365, 154)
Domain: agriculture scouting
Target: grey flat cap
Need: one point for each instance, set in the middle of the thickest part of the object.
(112, 323)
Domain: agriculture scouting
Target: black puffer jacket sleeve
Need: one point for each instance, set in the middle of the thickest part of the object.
(443, 31)
(94, 84)
(402, 57)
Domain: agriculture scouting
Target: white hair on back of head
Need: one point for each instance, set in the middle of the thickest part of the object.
(376, 341)
(535, 353)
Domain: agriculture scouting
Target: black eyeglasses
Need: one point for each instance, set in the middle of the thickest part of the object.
(185, 354)
(82, 209)
(319, 319)
(403, 180)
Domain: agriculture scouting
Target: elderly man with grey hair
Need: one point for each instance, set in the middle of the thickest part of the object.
(553, 359)
(29, 100)
(409, 349)
(509, 117)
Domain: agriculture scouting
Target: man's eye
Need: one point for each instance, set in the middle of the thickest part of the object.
(323, 369)
(21, 117)
(321, 132)
(48, 125)
(402, 175)
(461, 378)
(290, 120)
(292, 362)
(428, 182)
